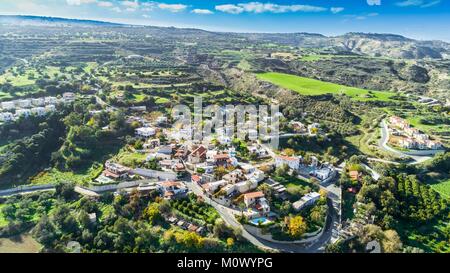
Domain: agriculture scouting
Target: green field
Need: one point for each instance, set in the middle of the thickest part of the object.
(54, 176)
(311, 87)
(443, 188)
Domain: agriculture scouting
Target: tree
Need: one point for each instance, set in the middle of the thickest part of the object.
(220, 171)
(152, 213)
(289, 152)
(45, 232)
(230, 242)
(297, 226)
(65, 190)
(391, 242)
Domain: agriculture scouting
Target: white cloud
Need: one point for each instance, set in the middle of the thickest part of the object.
(230, 8)
(104, 4)
(202, 11)
(336, 9)
(258, 7)
(430, 4)
(374, 2)
(79, 2)
(418, 3)
(172, 7)
(116, 9)
(131, 4)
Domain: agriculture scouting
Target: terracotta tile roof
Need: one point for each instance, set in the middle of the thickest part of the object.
(196, 178)
(221, 156)
(256, 194)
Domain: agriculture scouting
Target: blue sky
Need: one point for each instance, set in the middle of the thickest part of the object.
(420, 19)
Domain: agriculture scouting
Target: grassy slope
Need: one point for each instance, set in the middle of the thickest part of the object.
(311, 87)
(3, 221)
(443, 188)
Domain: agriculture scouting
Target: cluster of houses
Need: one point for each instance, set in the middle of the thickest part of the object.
(322, 172)
(235, 185)
(13, 110)
(409, 137)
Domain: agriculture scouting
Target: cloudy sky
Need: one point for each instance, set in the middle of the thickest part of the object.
(421, 19)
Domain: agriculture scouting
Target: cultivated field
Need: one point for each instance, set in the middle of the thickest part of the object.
(311, 87)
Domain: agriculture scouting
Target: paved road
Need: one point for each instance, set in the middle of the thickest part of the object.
(228, 215)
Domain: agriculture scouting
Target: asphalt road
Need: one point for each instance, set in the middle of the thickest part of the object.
(383, 145)
(228, 216)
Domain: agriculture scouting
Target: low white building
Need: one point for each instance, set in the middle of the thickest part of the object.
(145, 132)
(23, 113)
(213, 186)
(38, 102)
(50, 100)
(26, 103)
(224, 140)
(291, 161)
(68, 97)
(38, 111)
(8, 105)
(323, 173)
(50, 108)
(7, 116)
(306, 200)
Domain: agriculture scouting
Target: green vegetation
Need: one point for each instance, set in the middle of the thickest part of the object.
(195, 209)
(3, 221)
(442, 187)
(311, 87)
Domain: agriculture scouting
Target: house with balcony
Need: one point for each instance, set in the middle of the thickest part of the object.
(145, 132)
(307, 200)
(292, 161)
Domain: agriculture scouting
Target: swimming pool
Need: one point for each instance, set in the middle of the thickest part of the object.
(260, 220)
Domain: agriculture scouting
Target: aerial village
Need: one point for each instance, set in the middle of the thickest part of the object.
(217, 171)
(403, 135)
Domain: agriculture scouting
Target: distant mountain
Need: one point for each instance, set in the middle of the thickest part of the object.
(55, 21)
(371, 44)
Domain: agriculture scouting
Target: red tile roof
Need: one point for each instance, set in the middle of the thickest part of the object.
(256, 194)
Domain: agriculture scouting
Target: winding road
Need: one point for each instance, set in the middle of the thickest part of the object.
(228, 214)
(383, 145)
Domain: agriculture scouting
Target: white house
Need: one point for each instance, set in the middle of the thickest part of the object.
(26, 103)
(252, 134)
(213, 186)
(8, 105)
(161, 119)
(250, 198)
(145, 132)
(7, 116)
(306, 200)
(245, 186)
(170, 189)
(38, 102)
(50, 108)
(224, 140)
(38, 111)
(291, 161)
(50, 100)
(68, 97)
(323, 173)
(23, 113)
